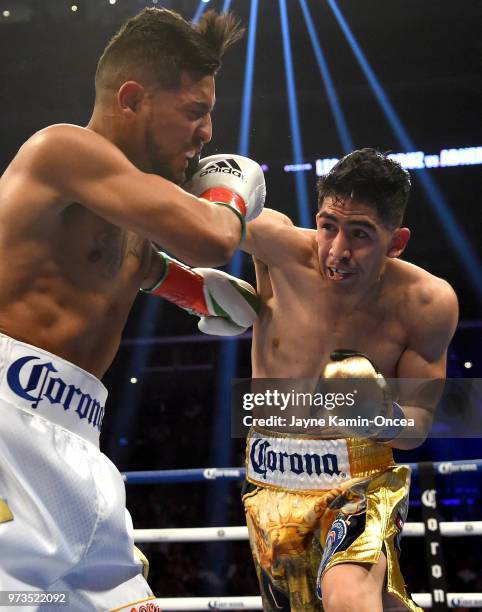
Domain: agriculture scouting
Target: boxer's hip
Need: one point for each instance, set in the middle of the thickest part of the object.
(62, 501)
(45, 385)
(310, 464)
(313, 503)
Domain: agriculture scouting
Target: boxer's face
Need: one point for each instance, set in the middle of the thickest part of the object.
(353, 244)
(177, 124)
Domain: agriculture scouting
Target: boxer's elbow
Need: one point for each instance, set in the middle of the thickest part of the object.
(217, 254)
(402, 443)
(416, 429)
(212, 249)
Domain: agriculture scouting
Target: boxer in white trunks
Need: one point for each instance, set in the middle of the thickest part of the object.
(80, 209)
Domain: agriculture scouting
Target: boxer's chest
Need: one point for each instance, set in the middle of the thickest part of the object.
(100, 250)
(301, 325)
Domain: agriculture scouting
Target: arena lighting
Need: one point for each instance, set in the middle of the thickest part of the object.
(202, 6)
(467, 255)
(221, 441)
(125, 416)
(243, 145)
(297, 167)
(199, 11)
(340, 121)
(468, 365)
(6, 13)
(304, 216)
(412, 160)
(74, 8)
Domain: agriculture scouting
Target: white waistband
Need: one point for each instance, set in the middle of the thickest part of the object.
(42, 383)
(297, 464)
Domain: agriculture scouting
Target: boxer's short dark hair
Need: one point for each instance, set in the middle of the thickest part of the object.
(370, 177)
(159, 45)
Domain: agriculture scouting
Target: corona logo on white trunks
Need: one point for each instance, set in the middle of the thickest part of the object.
(36, 382)
(297, 464)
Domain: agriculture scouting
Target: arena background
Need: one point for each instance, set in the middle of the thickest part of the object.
(398, 75)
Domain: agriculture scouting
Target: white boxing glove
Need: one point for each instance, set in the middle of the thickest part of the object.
(233, 303)
(232, 180)
(227, 305)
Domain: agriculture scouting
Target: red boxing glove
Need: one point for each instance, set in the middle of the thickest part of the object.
(226, 305)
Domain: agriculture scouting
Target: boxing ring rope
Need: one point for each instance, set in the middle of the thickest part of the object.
(238, 474)
(230, 534)
(455, 600)
(212, 534)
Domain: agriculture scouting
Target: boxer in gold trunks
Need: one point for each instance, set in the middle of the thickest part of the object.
(325, 515)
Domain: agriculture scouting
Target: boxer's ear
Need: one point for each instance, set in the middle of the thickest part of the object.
(130, 96)
(398, 242)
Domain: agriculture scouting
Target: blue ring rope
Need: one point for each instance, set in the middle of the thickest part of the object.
(238, 474)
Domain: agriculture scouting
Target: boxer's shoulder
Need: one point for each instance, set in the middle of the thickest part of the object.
(274, 239)
(47, 160)
(58, 144)
(268, 225)
(429, 303)
(29, 182)
(60, 165)
(419, 286)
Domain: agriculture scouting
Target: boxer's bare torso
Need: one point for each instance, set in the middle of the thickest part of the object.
(302, 321)
(71, 267)
(403, 319)
(68, 277)
(68, 280)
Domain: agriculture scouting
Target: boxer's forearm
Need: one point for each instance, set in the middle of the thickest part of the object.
(415, 432)
(227, 305)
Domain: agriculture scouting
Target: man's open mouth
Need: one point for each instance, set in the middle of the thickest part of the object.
(338, 274)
